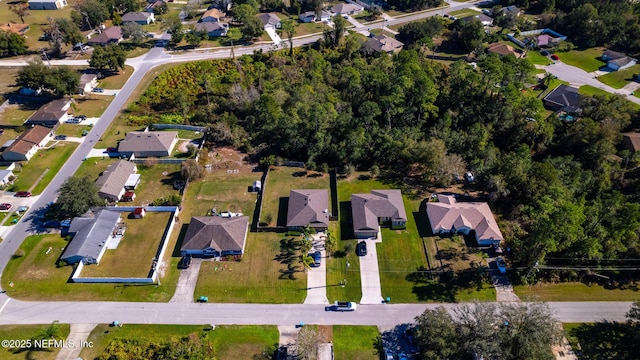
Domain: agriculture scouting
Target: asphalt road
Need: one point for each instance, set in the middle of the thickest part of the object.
(21, 312)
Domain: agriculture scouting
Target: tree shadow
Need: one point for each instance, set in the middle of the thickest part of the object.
(606, 340)
(346, 222)
(176, 249)
(422, 220)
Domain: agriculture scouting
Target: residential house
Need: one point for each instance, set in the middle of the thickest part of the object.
(20, 29)
(618, 61)
(212, 15)
(325, 16)
(308, 207)
(383, 43)
(347, 9)
(87, 83)
(380, 207)
(27, 144)
(631, 141)
(47, 4)
(111, 183)
(215, 236)
(546, 40)
(563, 98)
(150, 8)
(213, 29)
(148, 144)
(51, 113)
(511, 10)
(139, 17)
(503, 50)
(484, 19)
(110, 35)
(6, 177)
(307, 17)
(270, 20)
(91, 237)
(450, 216)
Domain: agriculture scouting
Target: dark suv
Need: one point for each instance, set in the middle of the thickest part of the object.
(185, 262)
(361, 248)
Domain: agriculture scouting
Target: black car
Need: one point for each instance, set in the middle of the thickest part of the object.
(361, 248)
(316, 258)
(52, 224)
(185, 262)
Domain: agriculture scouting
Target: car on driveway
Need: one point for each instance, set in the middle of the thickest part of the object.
(98, 90)
(52, 224)
(502, 266)
(61, 137)
(5, 206)
(185, 262)
(317, 258)
(555, 57)
(23, 194)
(361, 248)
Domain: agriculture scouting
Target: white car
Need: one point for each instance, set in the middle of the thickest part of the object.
(502, 266)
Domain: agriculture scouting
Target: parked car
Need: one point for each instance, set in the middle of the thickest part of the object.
(185, 262)
(361, 248)
(555, 57)
(98, 90)
(61, 137)
(5, 206)
(544, 52)
(502, 266)
(23, 194)
(81, 117)
(73, 121)
(316, 258)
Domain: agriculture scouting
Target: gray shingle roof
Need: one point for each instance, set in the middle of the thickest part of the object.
(112, 180)
(216, 232)
(91, 234)
(447, 214)
(269, 18)
(384, 43)
(564, 96)
(51, 111)
(367, 208)
(308, 207)
(147, 141)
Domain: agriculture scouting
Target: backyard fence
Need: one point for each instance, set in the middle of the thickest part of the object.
(179, 127)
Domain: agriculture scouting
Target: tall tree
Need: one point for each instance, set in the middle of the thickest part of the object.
(21, 9)
(252, 28)
(89, 14)
(110, 57)
(12, 44)
(289, 28)
(77, 195)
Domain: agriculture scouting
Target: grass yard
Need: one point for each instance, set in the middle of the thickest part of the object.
(587, 60)
(337, 270)
(26, 332)
(602, 340)
(7, 76)
(72, 130)
(91, 105)
(16, 115)
(35, 276)
(14, 218)
(355, 342)
(259, 278)
(93, 167)
(590, 90)
(464, 13)
(187, 134)
(574, 292)
(118, 80)
(618, 79)
(307, 29)
(156, 182)
(280, 181)
(229, 342)
(536, 58)
(47, 159)
(552, 85)
(8, 134)
(136, 251)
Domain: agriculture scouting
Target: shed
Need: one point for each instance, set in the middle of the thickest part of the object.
(257, 186)
(138, 213)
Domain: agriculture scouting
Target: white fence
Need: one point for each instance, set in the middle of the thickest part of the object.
(159, 254)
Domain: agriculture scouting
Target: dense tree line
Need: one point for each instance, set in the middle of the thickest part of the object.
(58, 81)
(566, 189)
(413, 5)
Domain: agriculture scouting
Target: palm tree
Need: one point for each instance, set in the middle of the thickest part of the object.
(289, 27)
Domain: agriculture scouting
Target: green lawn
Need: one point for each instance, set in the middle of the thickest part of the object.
(35, 276)
(27, 332)
(537, 58)
(618, 79)
(52, 159)
(590, 90)
(16, 115)
(137, 249)
(587, 60)
(280, 181)
(7, 76)
(355, 342)
(229, 342)
(573, 292)
(464, 13)
(118, 80)
(72, 130)
(259, 278)
(552, 85)
(337, 270)
(14, 218)
(91, 105)
(93, 167)
(156, 182)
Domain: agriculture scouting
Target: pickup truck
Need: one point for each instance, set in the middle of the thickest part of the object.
(342, 306)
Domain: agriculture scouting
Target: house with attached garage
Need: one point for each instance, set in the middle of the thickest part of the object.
(110, 35)
(270, 20)
(447, 215)
(47, 4)
(307, 17)
(215, 236)
(617, 60)
(308, 207)
(380, 207)
(112, 183)
(383, 43)
(87, 83)
(485, 20)
(27, 144)
(148, 143)
(563, 98)
(50, 114)
(347, 9)
(213, 29)
(139, 17)
(92, 235)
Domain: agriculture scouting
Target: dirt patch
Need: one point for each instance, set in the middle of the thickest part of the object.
(325, 333)
(226, 158)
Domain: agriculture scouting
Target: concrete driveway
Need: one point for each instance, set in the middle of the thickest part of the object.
(273, 34)
(187, 283)
(370, 274)
(317, 276)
